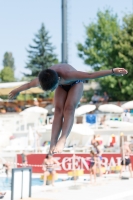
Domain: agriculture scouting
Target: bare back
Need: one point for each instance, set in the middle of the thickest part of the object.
(125, 151)
(63, 70)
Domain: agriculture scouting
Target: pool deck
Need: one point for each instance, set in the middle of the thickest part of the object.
(105, 188)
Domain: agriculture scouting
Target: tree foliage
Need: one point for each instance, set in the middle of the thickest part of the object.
(8, 60)
(109, 45)
(41, 54)
(7, 74)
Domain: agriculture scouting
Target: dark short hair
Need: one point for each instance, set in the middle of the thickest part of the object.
(92, 152)
(48, 78)
(47, 155)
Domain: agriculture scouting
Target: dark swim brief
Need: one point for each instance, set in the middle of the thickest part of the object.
(90, 163)
(126, 161)
(68, 87)
(50, 170)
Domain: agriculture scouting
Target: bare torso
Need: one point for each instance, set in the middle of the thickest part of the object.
(125, 151)
(93, 141)
(49, 163)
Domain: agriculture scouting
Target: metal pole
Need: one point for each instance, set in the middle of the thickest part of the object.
(64, 45)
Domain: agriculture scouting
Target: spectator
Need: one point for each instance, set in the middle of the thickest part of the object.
(99, 157)
(24, 159)
(126, 116)
(112, 140)
(93, 141)
(99, 139)
(49, 165)
(125, 155)
(105, 97)
(108, 168)
(102, 120)
(92, 165)
(95, 98)
(5, 164)
(118, 104)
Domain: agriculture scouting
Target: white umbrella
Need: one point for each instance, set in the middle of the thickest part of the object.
(35, 109)
(80, 135)
(111, 108)
(119, 124)
(128, 105)
(82, 129)
(84, 109)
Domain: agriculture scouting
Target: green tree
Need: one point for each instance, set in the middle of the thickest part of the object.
(7, 74)
(41, 54)
(8, 60)
(109, 45)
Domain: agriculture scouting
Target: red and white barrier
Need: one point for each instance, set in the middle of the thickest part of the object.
(66, 160)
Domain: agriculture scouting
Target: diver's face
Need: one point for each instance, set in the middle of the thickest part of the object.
(54, 88)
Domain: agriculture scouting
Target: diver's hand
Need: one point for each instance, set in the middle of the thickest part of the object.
(119, 71)
(13, 94)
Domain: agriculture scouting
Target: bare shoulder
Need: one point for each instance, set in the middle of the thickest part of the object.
(45, 160)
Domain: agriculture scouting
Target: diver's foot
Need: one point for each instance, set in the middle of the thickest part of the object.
(59, 146)
(52, 146)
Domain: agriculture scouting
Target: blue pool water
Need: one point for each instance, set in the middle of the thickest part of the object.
(5, 183)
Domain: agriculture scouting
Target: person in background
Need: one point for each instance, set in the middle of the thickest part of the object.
(112, 140)
(126, 116)
(108, 168)
(99, 140)
(93, 141)
(95, 98)
(5, 164)
(102, 120)
(99, 156)
(118, 104)
(49, 165)
(125, 156)
(105, 97)
(92, 165)
(24, 159)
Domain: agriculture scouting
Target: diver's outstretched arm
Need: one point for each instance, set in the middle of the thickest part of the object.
(15, 92)
(78, 75)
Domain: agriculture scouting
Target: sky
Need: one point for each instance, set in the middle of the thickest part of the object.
(21, 20)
